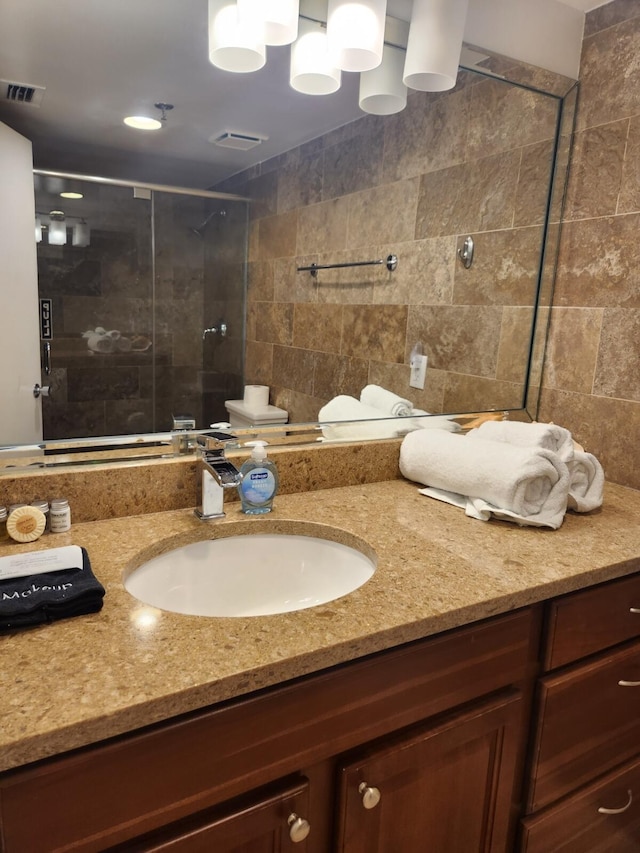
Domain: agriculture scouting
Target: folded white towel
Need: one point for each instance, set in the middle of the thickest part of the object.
(547, 436)
(344, 409)
(527, 481)
(388, 402)
(483, 511)
(417, 421)
(586, 482)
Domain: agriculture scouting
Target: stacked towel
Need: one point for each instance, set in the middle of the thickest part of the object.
(586, 477)
(520, 434)
(45, 596)
(390, 404)
(344, 409)
(586, 485)
(530, 484)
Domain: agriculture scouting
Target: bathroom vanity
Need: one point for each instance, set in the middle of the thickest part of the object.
(466, 694)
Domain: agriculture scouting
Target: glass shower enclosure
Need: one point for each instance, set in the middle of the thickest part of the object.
(144, 288)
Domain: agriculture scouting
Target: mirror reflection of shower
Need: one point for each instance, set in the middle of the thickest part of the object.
(128, 351)
(200, 229)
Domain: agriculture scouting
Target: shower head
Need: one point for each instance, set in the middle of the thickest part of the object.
(199, 230)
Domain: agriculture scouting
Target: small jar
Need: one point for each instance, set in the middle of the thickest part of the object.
(4, 514)
(14, 506)
(43, 506)
(59, 516)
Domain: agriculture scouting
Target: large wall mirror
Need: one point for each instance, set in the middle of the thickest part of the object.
(168, 304)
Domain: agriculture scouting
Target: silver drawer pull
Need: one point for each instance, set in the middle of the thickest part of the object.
(634, 610)
(629, 683)
(602, 809)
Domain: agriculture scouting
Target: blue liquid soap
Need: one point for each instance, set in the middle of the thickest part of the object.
(259, 481)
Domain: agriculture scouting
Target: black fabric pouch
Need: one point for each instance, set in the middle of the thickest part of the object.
(47, 597)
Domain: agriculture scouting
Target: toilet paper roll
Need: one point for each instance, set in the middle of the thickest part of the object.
(256, 396)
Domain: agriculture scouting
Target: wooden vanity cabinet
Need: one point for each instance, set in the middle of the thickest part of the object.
(586, 741)
(445, 787)
(440, 722)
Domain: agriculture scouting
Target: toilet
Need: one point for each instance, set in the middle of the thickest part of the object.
(244, 415)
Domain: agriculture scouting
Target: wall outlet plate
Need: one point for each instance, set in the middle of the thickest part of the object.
(418, 371)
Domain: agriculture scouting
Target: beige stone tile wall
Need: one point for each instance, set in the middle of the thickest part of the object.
(591, 381)
(471, 161)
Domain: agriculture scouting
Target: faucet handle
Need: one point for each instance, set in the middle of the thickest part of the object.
(207, 441)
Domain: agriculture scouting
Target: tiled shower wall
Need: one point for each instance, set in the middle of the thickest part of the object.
(471, 161)
(591, 380)
(198, 282)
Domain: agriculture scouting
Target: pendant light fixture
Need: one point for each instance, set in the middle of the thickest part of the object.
(236, 43)
(435, 42)
(278, 17)
(80, 234)
(355, 31)
(312, 71)
(382, 91)
(57, 229)
(352, 39)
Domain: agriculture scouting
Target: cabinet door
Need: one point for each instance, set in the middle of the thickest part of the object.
(273, 822)
(446, 788)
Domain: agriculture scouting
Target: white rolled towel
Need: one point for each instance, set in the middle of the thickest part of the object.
(586, 483)
(521, 434)
(530, 482)
(100, 343)
(389, 403)
(346, 408)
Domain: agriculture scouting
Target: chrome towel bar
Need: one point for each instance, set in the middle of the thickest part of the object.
(391, 262)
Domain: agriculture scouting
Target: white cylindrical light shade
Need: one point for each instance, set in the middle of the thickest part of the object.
(435, 42)
(80, 234)
(356, 33)
(382, 91)
(234, 45)
(312, 72)
(38, 230)
(278, 17)
(57, 232)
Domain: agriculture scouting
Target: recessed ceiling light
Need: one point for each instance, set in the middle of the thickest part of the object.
(70, 194)
(143, 122)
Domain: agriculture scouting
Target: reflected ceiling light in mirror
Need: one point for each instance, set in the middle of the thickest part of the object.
(278, 17)
(80, 234)
(57, 229)
(312, 71)
(355, 31)
(236, 43)
(382, 91)
(143, 122)
(435, 42)
(38, 230)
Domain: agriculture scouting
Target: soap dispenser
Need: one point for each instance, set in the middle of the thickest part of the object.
(259, 480)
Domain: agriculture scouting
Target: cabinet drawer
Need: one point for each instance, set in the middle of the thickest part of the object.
(591, 621)
(588, 723)
(577, 825)
(112, 792)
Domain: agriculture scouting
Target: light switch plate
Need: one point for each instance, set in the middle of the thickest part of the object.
(418, 371)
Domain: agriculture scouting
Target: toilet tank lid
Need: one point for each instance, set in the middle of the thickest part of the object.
(239, 407)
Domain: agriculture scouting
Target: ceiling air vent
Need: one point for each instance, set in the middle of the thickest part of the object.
(22, 93)
(239, 141)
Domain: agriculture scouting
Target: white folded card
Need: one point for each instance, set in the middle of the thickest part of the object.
(40, 562)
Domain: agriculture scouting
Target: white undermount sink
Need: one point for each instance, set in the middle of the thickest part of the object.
(253, 574)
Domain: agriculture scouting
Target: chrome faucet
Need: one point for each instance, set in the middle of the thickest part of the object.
(215, 474)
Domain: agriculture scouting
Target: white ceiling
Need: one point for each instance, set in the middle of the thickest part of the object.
(100, 61)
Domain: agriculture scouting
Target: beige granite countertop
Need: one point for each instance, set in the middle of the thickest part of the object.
(88, 678)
